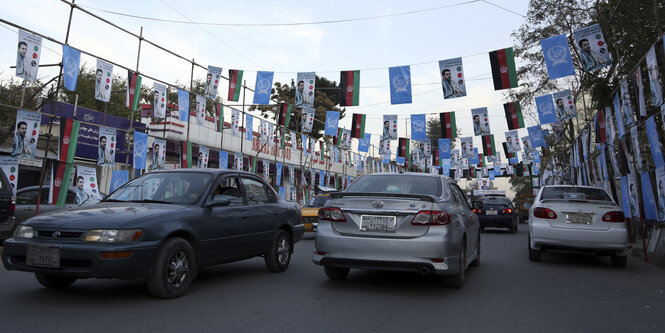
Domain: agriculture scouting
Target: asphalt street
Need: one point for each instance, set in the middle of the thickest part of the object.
(507, 293)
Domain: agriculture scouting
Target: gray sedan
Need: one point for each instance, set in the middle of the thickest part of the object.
(406, 222)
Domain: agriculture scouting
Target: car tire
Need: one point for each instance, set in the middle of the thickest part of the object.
(54, 281)
(278, 258)
(456, 280)
(173, 270)
(534, 255)
(476, 262)
(336, 273)
(619, 261)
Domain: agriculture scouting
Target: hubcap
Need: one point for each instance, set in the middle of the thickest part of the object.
(283, 251)
(177, 269)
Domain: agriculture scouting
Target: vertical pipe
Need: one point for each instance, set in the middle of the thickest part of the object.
(130, 143)
(242, 139)
(191, 88)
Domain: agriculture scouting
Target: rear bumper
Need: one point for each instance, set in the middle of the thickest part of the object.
(333, 249)
(503, 221)
(543, 237)
(7, 227)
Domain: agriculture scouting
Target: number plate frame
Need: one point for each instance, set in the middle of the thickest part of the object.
(579, 218)
(43, 256)
(491, 212)
(376, 223)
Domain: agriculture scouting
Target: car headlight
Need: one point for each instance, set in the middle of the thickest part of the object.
(113, 235)
(23, 231)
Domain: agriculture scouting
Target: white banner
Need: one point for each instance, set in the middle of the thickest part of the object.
(158, 154)
(103, 81)
(213, 80)
(305, 86)
(159, 100)
(204, 154)
(26, 133)
(200, 110)
(106, 146)
(10, 167)
(28, 55)
(86, 185)
(235, 122)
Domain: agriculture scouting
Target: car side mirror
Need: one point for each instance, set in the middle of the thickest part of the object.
(477, 205)
(218, 201)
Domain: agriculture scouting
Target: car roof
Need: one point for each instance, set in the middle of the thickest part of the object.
(575, 186)
(419, 174)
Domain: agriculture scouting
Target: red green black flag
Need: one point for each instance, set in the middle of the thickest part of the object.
(133, 90)
(513, 115)
(599, 122)
(219, 117)
(504, 72)
(284, 114)
(69, 135)
(488, 145)
(349, 85)
(448, 125)
(358, 126)
(186, 154)
(235, 81)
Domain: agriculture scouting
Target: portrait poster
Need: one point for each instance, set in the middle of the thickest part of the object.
(513, 141)
(106, 146)
(26, 133)
(389, 127)
(202, 159)
(655, 88)
(200, 110)
(308, 115)
(9, 166)
(103, 81)
(305, 87)
(86, 185)
(213, 79)
(633, 198)
(453, 81)
(266, 171)
(28, 54)
(158, 154)
(159, 100)
(481, 123)
(235, 122)
(626, 105)
(237, 161)
(467, 147)
(564, 104)
(660, 189)
(592, 48)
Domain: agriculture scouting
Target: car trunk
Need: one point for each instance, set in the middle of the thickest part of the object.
(578, 214)
(494, 209)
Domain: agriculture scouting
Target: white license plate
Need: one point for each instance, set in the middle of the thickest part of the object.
(43, 256)
(491, 212)
(580, 218)
(377, 223)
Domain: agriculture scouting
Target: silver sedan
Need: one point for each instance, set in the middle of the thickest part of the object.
(400, 221)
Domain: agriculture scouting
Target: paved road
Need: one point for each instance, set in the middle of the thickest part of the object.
(507, 293)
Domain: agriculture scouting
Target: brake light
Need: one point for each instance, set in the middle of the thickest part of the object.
(333, 214)
(478, 211)
(507, 211)
(614, 216)
(12, 207)
(544, 213)
(427, 217)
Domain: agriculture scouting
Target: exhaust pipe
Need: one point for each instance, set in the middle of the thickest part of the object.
(424, 270)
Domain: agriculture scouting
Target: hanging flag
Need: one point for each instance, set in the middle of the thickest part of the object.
(332, 121)
(626, 104)
(133, 93)
(223, 160)
(514, 117)
(158, 154)
(512, 141)
(266, 171)
(363, 144)
(504, 72)
(186, 155)
(118, 178)
(545, 108)
(448, 125)
(592, 48)
(253, 158)
(452, 78)
(660, 188)
(358, 125)
(305, 87)
(536, 136)
(26, 133)
(557, 56)
(28, 55)
(219, 117)
(284, 115)
(249, 127)
(638, 91)
(212, 82)
(69, 131)
(650, 211)
(303, 140)
(444, 148)
(618, 114)
(308, 115)
(400, 84)
(159, 100)
(71, 60)
(140, 150)
(654, 142)
(200, 110)
(262, 88)
(565, 106)
(488, 145)
(654, 77)
(278, 173)
(235, 122)
(106, 146)
(403, 148)
(238, 162)
(418, 127)
(183, 104)
(349, 85)
(599, 125)
(103, 81)
(481, 123)
(235, 83)
(86, 185)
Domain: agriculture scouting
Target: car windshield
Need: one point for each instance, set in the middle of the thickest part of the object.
(575, 193)
(164, 187)
(403, 184)
(317, 201)
(495, 201)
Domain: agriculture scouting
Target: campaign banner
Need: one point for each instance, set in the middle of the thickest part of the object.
(660, 188)
(308, 115)
(528, 153)
(332, 123)
(634, 200)
(536, 136)
(118, 178)
(513, 141)
(305, 87)
(224, 160)
(263, 132)
(400, 84)
(26, 133)
(481, 124)
(140, 150)
(103, 81)
(266, 171)
(545, 109)
(238, 161)
(213, 80)
(384, 148)
(71, 63)
(637, 154)
(363, 144)
(235, 122)
(9, 166)
(654, 77)
(159, 100)
(418, 127)
(262, 88)
(650, 210)
(638, 89)
(565, 106)
(183, 105)
(249, 127)
(626, 105)
(86, 185)
(467, 147)
(278, 173)
(204, 156)
(107, 146)
(557, 56)
(444, 149)
(158, 154)
(592, 48)
(200, 110)
(474, 158)
(654, 142)
(452, 78)
(389, 127)
(28, 55)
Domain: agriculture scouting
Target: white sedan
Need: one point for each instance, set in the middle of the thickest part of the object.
(577, 218)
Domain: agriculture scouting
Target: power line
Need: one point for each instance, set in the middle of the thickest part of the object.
(504, 8)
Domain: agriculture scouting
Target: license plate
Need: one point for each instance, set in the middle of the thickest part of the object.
(43, 256)
(491, 212)
(580, 218)
(377, 223)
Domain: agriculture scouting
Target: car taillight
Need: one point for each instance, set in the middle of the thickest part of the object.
(507, 211)
(478, 211)
(428, 217)
(12, 207)
(333, 214)
(614, 216)
(544, 213)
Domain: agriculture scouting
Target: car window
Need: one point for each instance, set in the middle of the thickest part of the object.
(169, 187)
(456, 194)
(574, 193)
(462, 196)
(27, 197)
(229, 187)
(495, 201)
(256, 191)
(404, 184)
(318, 201)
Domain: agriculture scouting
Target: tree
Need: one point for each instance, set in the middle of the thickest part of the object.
(434, 133)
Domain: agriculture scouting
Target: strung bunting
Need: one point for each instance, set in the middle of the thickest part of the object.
(262, 88)
(28, 55)
(284, 115)
(349, 88)
(452, 78)
(235, 82)
(448, 125)
(557, 57)
(363, 144)
(592, 48)
(212, 81)
(332, 121)
(512, 143)
(536, 136)
(504, 73)
(400, 84)
(358, 125)
(389, 127)
(513, 115)
(467, 147)
(565, 107)
(545, 108)
(305, 89)
(444, 149)
(481, 124)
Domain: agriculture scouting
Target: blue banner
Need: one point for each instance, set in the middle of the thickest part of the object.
(491, 174)
(322, 178)
(444, 149)
(513, 160)
(303, 139)
(652, 133)
(545, 106)
(282, 193)
(536, 136)
(249, 128)
(363, 144)
(223, 159)
(332, 122)
(183, 105)
(118, 178)
(140, 149)
(278, 172)
(618, 115)
(262, 88)
(650, 210)
(400, 160)
(475, 159)
(625, 199)
(71, 62)
(557, 57)
(400, 84)
(418, 127)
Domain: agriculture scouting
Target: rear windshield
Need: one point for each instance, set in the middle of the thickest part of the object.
(317, 201)
(495, 201)
(403, 184)
(575, 193)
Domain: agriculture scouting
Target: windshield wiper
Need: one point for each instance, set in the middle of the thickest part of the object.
(112, 200)
(150, 201)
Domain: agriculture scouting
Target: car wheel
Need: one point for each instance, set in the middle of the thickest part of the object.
(279, 257)
(619, 261)
(173, 270)
(457, 280)
(534, 255)
(54, 281)
(476, 262)
(336, 273)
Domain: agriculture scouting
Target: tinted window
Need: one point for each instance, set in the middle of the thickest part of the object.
(574, 193)
(317, 201)
(256, 191)
(173, 187)
(403, 184)
(495, 201)
(27, 197)
(230, 188)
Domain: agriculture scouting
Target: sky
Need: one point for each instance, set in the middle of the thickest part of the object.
(469, 30)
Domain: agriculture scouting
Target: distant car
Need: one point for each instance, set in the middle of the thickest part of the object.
(7, 207)
(524, 204)
(26, 202)
(310, 212)
(497, 212)
(161, 227)
(399, 221)
(577, 218)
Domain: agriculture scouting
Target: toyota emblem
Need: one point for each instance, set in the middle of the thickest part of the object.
(56, 234)
(377, 204)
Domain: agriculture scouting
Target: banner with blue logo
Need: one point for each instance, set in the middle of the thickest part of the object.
(491, 174)
(652, 133)
(262, 88)
(332, 122)
(282, 192)
(474, 159)
(303, 140)
(536, 136)
(223, 159)
(278, 172)
(71, 63)
(363, 144)
(322, 178)
(249, 127)
(557, 57)
(418, 127)
(444, 149)
(545, 107)
(400, 84)
(400, 160)
(650, 212)
(183, 105)
(118, 178)
(140, 149)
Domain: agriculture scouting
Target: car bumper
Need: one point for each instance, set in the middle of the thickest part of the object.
(333, 249)
(543, 236)
(83, 260)
(502, 221)
(7, 227)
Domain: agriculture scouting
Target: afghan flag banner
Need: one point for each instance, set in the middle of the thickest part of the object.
(186, 154)
(219, 117)
(358, 126)
(436, 158)
(69, 134)
(448, 125)
(504, 72)
(349, 88)
(508, 154)
(284, 114)
(235, 82)
(133, 90)
(337, 140)
(513, 115)
(481, 160)
(599, 122)
(403, 150)
(488, 145)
